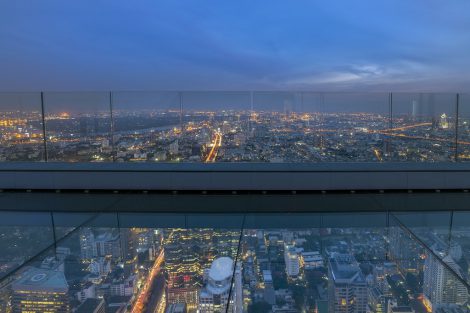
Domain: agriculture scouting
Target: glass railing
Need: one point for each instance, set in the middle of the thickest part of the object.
(381, 261)
(234, 126)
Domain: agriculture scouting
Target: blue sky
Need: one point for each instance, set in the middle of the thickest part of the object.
(369, 45)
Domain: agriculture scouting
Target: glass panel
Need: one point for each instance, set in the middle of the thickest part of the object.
(91, 258)
(21, 131)
(78, 126)
(403, 276)
(277, 131)
(431, 228)
(459, 249)
(430, 272)
(354, 126)
(147, 126)
(215, 126)
(318, 262)
(198, 261)
(65, 223)
(18, 291)
(423, 127)
(464, 128)
(84, 268)
(288, 269)
(22, 236)
(362, 235)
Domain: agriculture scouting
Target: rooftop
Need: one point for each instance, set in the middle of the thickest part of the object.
(345, 270)
(35, 279)
(221, 269)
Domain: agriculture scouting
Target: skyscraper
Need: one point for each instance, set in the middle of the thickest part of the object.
(216, 295)
(291, 257)
(184, 251)
(40, 290)
(87, 241)
(347, 285)
(404, 251)
(441, 285)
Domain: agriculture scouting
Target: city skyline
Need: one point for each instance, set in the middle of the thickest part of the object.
(162, 156)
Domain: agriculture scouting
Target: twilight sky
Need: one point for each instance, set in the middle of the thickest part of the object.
(331, 45)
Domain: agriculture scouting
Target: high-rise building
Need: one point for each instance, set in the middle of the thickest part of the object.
(404, 251)
(441, 284)
(107, 244)
(347, 285)
(87, 242)
(216, 295)
(184, 251)
(187, 253)
(444, 123)
(291, 257)
(40, 290)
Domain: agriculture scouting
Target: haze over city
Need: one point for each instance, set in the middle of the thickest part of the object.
(234, 156)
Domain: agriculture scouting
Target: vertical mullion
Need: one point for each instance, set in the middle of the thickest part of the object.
(457, 103)
(54, 236)
(111, 109)
(43, 116)
(235, 263)
(390, 126)
(181, 111)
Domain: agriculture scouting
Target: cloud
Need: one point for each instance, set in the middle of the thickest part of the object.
(247, 44)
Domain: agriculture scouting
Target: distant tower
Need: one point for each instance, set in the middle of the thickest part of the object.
(444, 123)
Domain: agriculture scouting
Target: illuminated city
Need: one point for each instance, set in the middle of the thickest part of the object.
(235, 156)
(204, 270)
(421, 128)
(253, 270)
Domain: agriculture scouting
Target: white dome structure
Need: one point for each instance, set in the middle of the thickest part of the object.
(221, 269)
(220, 275)
(214, 297)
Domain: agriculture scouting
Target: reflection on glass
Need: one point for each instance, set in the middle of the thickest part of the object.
(78, 126)
(21, 131)
(354, 126)
(215, 126)
(463, 130)
(237, 126)
(423, 127)
(146, 126)
(360, 264)
(22, 236)
(458, 249)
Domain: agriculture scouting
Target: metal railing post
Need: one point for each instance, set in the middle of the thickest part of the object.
(456, 143)
(181, 111)
(43, 116)
(111, 114)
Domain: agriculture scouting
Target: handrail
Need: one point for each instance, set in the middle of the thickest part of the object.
(235, 176)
